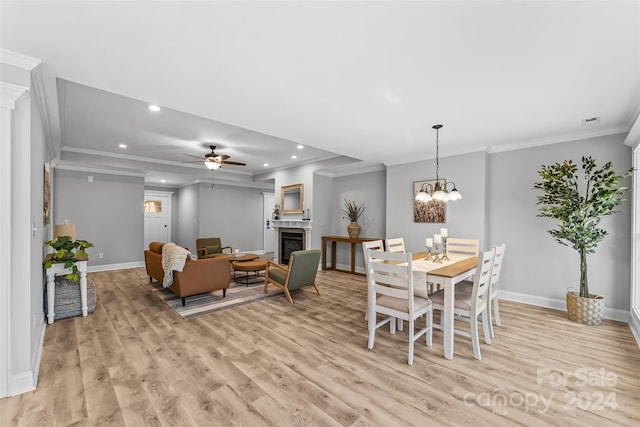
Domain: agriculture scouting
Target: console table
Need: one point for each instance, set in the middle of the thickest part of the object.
(344, 239)
(56, 269)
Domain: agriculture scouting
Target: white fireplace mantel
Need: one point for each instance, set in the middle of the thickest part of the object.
(294, 223)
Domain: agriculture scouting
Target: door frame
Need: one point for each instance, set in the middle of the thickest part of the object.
(266, 216)
(169, 196)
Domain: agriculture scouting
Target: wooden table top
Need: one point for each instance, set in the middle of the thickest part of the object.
(349, 239)
(456, 268)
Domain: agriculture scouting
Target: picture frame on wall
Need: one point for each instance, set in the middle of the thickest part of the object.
(433, 211)
(46, 202)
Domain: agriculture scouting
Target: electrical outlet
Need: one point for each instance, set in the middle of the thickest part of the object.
(100, 255)
(90, 178)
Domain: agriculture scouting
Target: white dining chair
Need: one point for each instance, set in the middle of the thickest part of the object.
(390, 293)
(395, 245)
(468, 306)
(466, 287)
(462, 246)
(376, 245)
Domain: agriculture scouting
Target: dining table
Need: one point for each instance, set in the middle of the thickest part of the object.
(445, 274)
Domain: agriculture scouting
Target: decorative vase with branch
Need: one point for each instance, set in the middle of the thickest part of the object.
(579, 205)
(352, 212)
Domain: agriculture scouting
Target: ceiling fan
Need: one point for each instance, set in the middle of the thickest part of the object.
(214, 161)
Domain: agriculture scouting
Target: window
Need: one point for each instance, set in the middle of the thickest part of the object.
(153, 206)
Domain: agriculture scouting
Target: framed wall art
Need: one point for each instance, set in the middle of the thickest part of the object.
(431, 211)
(46, 202)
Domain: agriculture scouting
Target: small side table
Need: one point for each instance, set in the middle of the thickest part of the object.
(57, 269)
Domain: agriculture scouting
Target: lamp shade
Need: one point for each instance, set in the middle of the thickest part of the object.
(64, 230)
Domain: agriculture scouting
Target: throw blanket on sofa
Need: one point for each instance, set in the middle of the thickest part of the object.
(173, 259)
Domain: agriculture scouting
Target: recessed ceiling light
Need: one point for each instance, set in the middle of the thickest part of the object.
(122, 145)
(294, 157)
(163, 181)
(300, 146)
(266, 164)
(154, 108)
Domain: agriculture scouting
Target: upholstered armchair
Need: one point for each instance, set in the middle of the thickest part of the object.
(302, 269)
(210, 247)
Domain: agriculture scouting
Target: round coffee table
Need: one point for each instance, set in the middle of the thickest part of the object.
(254, 266)
(242, 257)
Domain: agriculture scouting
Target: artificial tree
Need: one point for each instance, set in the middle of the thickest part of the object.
(580, 205)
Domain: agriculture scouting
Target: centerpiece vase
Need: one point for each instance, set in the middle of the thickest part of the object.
(354, 230)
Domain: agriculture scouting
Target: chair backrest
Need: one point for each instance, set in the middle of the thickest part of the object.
(462, 246)
(395, 245)
(482, 282)
(390, 274)
(303, 266)
(376, 245)
(497, 268)
(213, 244)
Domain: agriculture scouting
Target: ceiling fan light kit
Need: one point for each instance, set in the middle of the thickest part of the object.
(438, 192)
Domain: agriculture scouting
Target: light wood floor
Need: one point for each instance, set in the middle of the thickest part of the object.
(135, 362)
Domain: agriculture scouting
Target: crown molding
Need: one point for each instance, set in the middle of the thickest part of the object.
(353, 170)
(19, 60)
(143, 159)
(10, 93)
(558, 139)
(77, 167)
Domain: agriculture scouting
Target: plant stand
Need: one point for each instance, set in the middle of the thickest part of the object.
(51, 287)
(589, 311)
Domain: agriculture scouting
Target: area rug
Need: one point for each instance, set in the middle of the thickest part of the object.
(197, 305)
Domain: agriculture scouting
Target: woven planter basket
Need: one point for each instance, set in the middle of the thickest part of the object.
(585, 310)
(67, 301)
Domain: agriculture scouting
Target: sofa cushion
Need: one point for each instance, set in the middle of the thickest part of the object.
(156, 247)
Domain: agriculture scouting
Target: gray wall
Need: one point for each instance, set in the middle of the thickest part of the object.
(535, 264)
(235, 214)
(369, 189)
(499, 205)
(107, 212)
(188, 220)
(464, 218)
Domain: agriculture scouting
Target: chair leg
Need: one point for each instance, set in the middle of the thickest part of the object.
(429, 334)
(392, 326)
(224, 292)
(286, 291)
(496, 311)
(411, 342)
(486, 326)
(372, 333)
(490, 318)
(317, 289)
(183, 301)
(400, 324)
(475, 341)
(266, 283)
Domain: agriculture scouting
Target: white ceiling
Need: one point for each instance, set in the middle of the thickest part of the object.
(365, 80)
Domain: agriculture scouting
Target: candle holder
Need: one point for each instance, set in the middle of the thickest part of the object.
(444, 250)
(428, 258)
(436, 258)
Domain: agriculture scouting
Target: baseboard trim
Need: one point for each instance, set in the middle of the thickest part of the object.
(558, 304)
(38, 354)
(634, 324)
(21, 383)
(109, 267)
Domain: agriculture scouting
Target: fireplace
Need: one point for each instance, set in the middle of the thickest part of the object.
(291, 239)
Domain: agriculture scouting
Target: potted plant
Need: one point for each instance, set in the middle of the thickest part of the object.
(579, 206)
(68, 251)
(352, 212)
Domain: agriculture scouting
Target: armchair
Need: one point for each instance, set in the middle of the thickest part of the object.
(302, 269)
(210, 247)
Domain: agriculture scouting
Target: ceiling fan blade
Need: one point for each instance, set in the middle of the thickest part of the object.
(191, 155)
(229, 162)
(193, 161)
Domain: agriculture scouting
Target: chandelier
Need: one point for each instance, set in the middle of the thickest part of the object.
(438, 192)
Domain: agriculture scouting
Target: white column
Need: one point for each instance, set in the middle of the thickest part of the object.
(9, 94)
